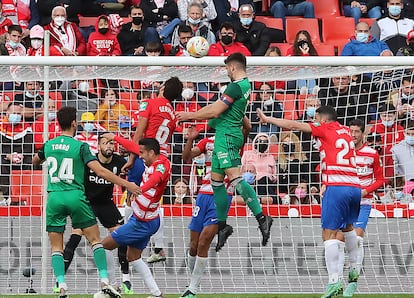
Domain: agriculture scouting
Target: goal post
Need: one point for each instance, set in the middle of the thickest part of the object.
(293, 261)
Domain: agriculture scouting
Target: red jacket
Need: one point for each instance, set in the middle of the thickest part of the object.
(73, 37)
(103, 44)
(4, 25)
(217, 49)
(37, 127)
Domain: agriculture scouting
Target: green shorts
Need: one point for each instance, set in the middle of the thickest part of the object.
(73, 203)
(226, 153)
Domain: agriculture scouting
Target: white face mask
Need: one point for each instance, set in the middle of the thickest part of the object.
(268, 102)
(187, 93)
(112, 102)
(59, 21)
(83, 87)
(36, 43)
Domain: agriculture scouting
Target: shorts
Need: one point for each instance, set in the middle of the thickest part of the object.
(73, 203)
(363, 216)
(136, 233)
(107, 213)
(226, 153)
(340, 206)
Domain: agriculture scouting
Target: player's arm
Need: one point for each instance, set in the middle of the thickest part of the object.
(283, 123)
(247, 127)
(378, 176)
(39, 157)
(129, 145)
(141, 128)
(156, 178)
(208, 112)
(189, 152)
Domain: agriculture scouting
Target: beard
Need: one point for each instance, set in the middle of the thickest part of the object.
(107, 154)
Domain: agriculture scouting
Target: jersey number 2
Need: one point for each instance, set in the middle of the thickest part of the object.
(65, 171)
(345, 146)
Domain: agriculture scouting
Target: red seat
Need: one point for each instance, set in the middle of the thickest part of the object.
(282, 46)
(87, 21)
(325, 49)
(332, 35)
(326, 8)
(270, 22)
(296, 24)
(129, 100)
(289, 105)
(26, 187)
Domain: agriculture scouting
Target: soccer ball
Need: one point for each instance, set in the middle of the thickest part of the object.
(197, 46)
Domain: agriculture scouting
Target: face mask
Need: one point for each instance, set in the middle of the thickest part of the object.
(15, 118)
(103, 30)
(311, 112)
(194, 22)
(112, 102)
(36, 43)
(59, 21)
(187, 93)
(268, 102)
(226, 39)
(408, 98)
(200, 160)
(13, 44)
(394, 10)
(180, 196)
(88, 127)
(388, 123)
(137, 21)
(83, 87)
(246, 21)
(289, 148)
(51, 116)
(362, 37)
(409, 140)
(300, 193)
(398, 195)
(248, 177)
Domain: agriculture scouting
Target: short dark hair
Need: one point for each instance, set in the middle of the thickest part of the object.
(237, 58)
(153, 46)
(105, 90)
(173, 88)
(228, 26)
(135, 7)
(184, 29)
(327, 111)
(15, 28)
(150, 144)
(359, 123)
(387, 108)
(65, 116)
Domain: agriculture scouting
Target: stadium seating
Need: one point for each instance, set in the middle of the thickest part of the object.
(325, 49)
(369, 21)
(326, 8)
(26, 187)
(129, 100)
(270, 22)
(337, 31)
(289, 105)
(282, 46)
(296, 24)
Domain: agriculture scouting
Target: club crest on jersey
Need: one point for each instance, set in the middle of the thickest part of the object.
(160, 168)
(143, 106)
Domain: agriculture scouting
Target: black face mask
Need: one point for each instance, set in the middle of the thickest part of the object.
(302, 43)
(137, 20)
(289, 148)
(411, 44)
(226, 39)
(103, 30)
(261, 145)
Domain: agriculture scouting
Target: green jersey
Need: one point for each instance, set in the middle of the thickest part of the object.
(236, 95)
(66, 159)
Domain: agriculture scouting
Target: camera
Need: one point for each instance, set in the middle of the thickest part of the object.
(302, 43)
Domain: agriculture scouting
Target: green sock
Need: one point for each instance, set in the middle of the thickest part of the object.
(249, 196)
(58, 266)
(221, 200)
(100, 260)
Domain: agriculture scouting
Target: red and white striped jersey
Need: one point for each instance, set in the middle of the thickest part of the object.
(154, 181)
(337, 152)
(369, 171)
(91, 140)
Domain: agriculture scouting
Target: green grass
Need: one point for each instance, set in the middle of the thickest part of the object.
(224, 296)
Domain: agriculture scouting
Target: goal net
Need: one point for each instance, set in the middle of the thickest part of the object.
(377, 90)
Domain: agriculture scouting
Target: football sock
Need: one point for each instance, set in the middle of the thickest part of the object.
(70, 248)
(99, 256)
(360, 256)
(248, 194)
(220, 199)
(157, 250)
(142, 268)
(58, 266)
(200, 265)
(341, 260)
(351, 244)
(110, 266)
(123, 259)
(191, 262)
(331, 259)
(126, 277)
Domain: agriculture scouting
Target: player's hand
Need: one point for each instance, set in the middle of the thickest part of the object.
(323, 188)
(127, 166)
(192, 133)
(133, 188)
(108, 135)
(184, 116)
(261, 116)
(363, 193)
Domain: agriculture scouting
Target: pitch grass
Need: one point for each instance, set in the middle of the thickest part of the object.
(223, 296)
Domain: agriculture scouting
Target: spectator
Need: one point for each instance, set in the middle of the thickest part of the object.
(88, 134)
(103, 41)
(291, 162)
(349, 101)
(36, 43)
(299, 194)
(227, 43)
(110, 110)
(163, 15)
(135, 34)
(17, 146)
(403, 100)
(64, 34)
(5, 22)
(393, 28)
(184, 35)
(22, 13)
(209, 10)
(53, 126)
(181, 192)
(125, 132)
(281, 9)
(227, 11)
(265, 101)
(273, 51)
(153, 48)
(265, 168)
(31, 100)
(408, 49)
(363, 43)
(13, 45)
(358, 9)
(254, 35)
(402, 154)
(391, 133)
(196, 23)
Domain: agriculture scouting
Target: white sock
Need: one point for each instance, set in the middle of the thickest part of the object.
(142, 268)
(191, 262)
(110, 266)
(197, 274)
(331, 259)
(341, 260)
(128, 213)
(158, 237)
(360, 256)
(126, 277)
(351, 245)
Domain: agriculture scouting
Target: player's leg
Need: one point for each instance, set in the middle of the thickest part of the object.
(71, 246)
(158, 237)
(58, 265)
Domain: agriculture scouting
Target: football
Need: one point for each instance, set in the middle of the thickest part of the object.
(197, 46)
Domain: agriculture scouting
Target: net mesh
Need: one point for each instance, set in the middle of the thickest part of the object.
(294, 260)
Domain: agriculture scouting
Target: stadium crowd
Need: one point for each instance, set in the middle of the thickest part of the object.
(283, 167)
